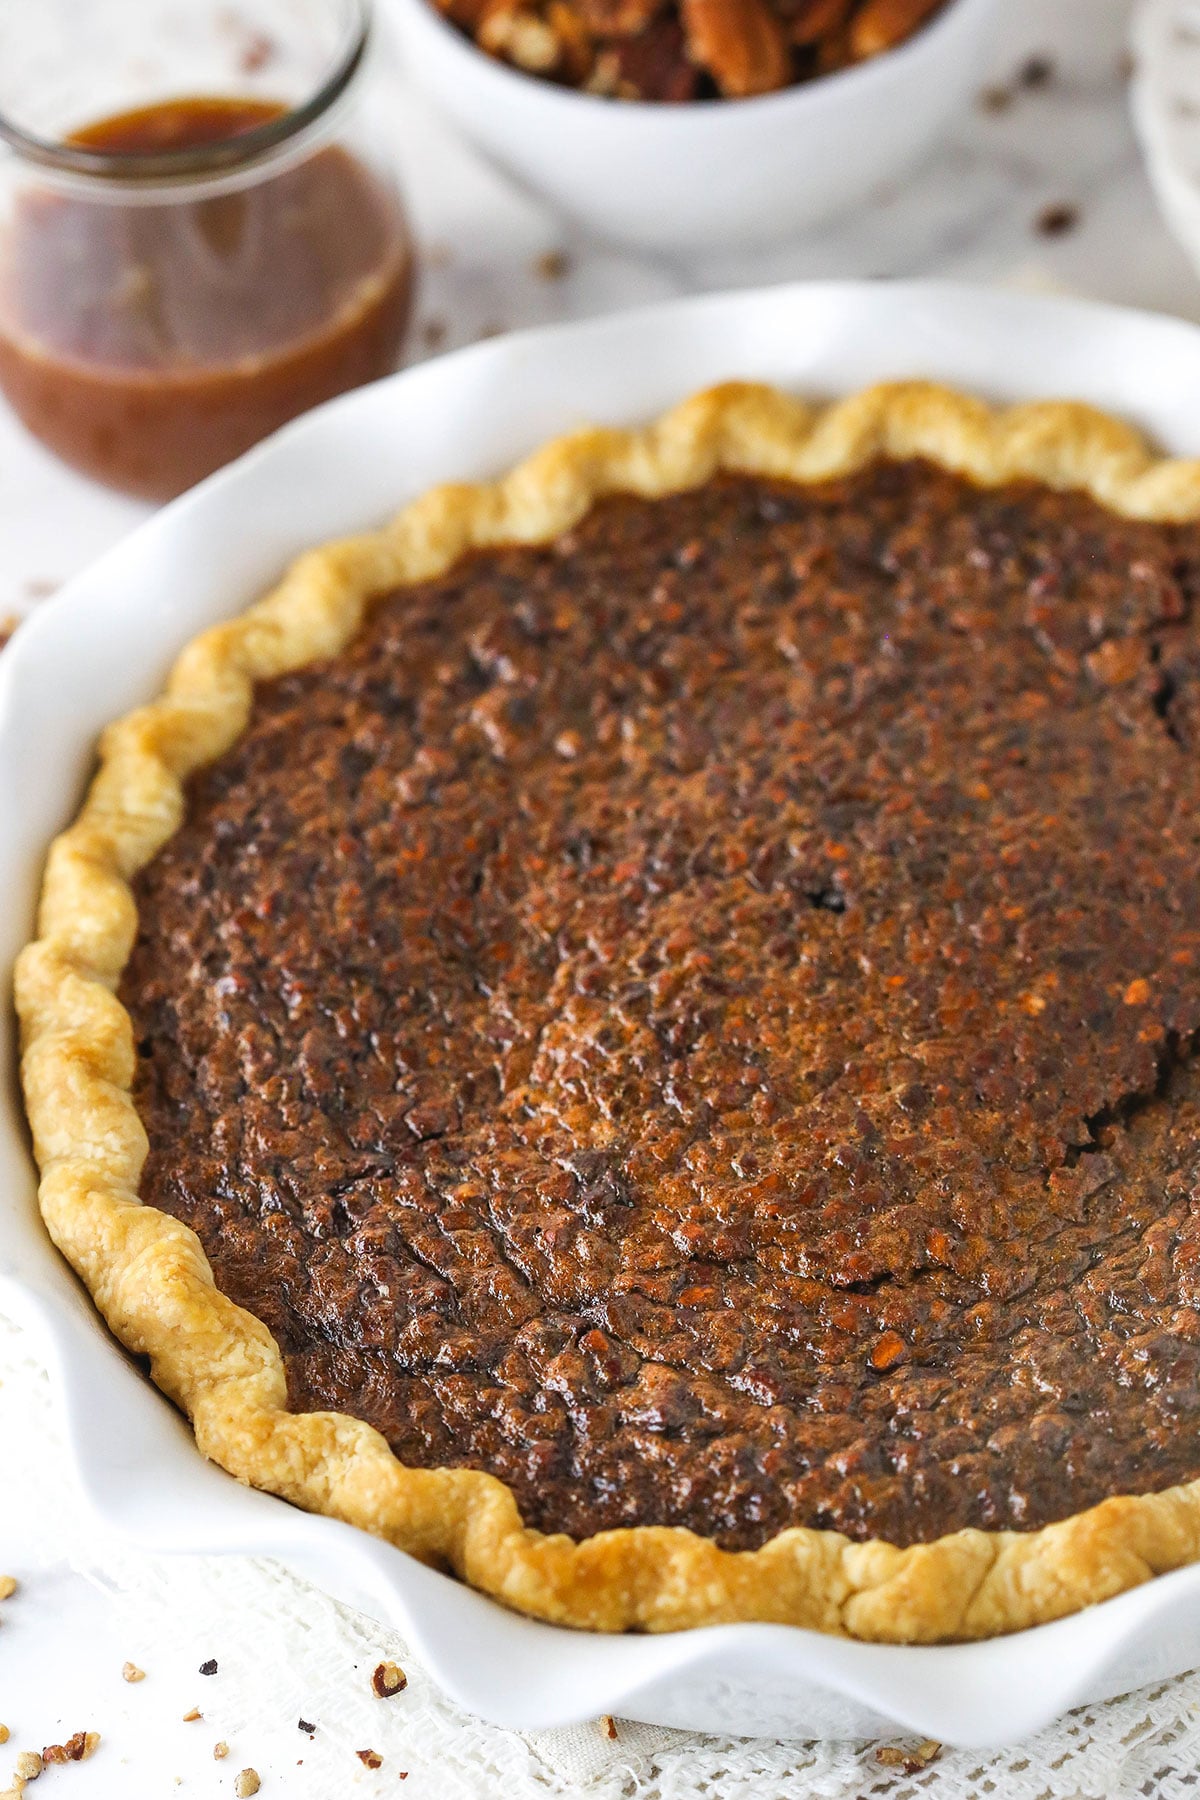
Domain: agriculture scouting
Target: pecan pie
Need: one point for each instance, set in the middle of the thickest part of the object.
(633, 1033)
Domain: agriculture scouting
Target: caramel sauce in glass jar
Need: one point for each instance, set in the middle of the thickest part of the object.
(180, 278)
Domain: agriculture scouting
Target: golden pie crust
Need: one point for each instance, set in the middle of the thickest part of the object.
(148, 1273)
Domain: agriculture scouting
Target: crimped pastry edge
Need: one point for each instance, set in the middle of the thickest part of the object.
(147, 1271)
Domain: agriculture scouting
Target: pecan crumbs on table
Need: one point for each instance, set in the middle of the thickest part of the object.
(388, 1679)
(910, 1758)
(76, 1749)
(686, 49)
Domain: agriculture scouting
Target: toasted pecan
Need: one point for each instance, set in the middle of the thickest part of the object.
(577, 51)
(667, 49)
(653, 65)
(468, 15)
(882, 24)
(815, 20)
(741, 43)
(834, 53)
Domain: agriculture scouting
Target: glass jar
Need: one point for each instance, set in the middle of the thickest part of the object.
(198, 238)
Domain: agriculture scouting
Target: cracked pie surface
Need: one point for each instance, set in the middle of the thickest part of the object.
(633, 1033)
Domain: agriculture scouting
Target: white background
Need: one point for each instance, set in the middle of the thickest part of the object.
(83, 1608)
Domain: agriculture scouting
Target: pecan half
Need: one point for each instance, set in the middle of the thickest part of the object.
(882, 24)
(388, 1679)
(741, 43)
(814, 20)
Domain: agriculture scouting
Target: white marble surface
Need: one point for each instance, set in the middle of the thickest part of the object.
(971, 213)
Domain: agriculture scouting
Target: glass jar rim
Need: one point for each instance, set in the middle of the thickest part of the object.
(222, 156)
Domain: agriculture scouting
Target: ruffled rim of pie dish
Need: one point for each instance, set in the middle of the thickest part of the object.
(147, 1272)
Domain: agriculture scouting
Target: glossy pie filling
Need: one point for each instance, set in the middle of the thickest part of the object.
(696, 1020)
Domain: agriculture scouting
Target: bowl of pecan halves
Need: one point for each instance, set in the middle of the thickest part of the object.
(689, 124)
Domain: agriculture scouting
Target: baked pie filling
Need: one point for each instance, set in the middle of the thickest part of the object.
(695, 1019)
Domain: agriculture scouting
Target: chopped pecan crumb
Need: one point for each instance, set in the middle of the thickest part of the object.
(617, 18)
(389, 1678)
(76, 1749)
(911, 1758)
(552, 265)
(257, 52)
(193, 1713)
(519, 35)
(653, 65)
(8, 1583)
(209, 1667)
(220, 1750)
(1057, 220)
(1036, 72)
(29, 1765)
(887, 1351)
(246, 1784)
(371, 1758)
(880, 25)
(131, 1672)
(609, 1726)
(4, 1734)
(574, 40)
(816, 20)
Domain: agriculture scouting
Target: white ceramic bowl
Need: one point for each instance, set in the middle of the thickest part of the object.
(713, 173)
(105, 644)
(1165, 97)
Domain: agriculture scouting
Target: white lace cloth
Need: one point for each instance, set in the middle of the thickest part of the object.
(286, 1652)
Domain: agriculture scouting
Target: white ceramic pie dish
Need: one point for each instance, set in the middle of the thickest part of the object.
(105, 643)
